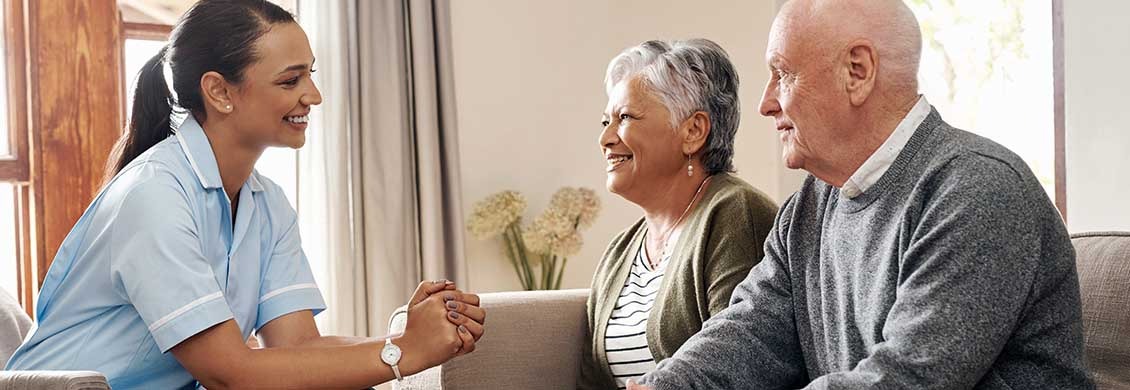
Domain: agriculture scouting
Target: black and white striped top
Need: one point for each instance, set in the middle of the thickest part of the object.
(625, 342)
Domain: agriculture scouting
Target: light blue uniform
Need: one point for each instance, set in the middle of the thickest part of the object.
(156, 259)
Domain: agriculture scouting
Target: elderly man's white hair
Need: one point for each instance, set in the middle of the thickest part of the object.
(688, 76)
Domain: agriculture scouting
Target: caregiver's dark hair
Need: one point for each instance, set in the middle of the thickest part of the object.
(213, 36)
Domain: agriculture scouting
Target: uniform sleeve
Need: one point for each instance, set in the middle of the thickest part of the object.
(288, 284)
(158, 264)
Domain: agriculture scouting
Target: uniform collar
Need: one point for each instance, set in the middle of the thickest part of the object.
(200, 156)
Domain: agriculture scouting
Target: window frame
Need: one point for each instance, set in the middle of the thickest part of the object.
(146, 31)
(14, 164)
(1059, 117)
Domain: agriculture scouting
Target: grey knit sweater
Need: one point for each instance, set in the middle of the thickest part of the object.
(954, 271)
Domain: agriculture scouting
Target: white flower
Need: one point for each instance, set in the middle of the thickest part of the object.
(492, 215)
(553, 233)
(580, 204)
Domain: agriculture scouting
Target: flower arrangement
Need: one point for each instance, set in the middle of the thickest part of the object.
(540, 250)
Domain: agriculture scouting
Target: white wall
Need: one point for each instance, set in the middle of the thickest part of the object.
(1096, 60)
(529, 95)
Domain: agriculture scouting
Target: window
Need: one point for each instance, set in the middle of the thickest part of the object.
(137, 52)
(1000, 84)
(8, 262)
(13, 148)
(7, 200)
(5, 133)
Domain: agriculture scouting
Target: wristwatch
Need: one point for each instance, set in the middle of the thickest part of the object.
(390, 354)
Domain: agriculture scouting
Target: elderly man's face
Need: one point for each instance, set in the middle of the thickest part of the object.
(803, 96)
(638, 143)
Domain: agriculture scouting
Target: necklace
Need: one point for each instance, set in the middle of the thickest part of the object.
(666, 235)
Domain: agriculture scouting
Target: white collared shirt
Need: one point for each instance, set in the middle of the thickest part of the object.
(876, 165)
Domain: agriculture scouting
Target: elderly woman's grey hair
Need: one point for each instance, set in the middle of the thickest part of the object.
(688, 76)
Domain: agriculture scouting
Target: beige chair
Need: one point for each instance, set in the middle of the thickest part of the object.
(533, 340)
(1103, 260)
(14, 325)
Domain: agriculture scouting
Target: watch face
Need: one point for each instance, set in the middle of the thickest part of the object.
(390, 354)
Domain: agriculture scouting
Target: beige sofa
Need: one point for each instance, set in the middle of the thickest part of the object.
(533, 339)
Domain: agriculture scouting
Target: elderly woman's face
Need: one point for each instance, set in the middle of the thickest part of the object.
(639, 145)
(802, 97)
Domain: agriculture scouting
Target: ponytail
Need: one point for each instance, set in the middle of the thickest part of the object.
(150, 116)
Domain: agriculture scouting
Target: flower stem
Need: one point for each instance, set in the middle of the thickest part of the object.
(560, 272)
(523, 255)
(548, 264)
(512, 253)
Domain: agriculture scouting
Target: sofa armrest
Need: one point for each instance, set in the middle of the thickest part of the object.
(52, 380)
(533, 340)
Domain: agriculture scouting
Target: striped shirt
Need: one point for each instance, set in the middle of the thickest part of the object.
(626, 339)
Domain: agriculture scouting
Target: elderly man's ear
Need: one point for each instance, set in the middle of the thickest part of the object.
(698, 128)
(863, 64)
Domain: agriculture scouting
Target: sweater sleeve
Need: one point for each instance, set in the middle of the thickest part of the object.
(964, 281)
(750, 344)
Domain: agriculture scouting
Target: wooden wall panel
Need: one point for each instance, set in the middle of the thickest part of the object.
(74, 114)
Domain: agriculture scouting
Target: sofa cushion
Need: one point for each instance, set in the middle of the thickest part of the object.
(1103, 261)
(533, 340)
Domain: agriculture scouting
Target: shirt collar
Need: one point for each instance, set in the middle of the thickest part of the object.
(879, 161)
(200, 156)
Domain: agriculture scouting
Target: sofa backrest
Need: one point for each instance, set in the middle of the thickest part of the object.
(533, 340)
(1103, 261)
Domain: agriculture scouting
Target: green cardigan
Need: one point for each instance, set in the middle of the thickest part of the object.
(722, 239)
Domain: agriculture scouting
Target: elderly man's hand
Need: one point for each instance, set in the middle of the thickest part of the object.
(632, 385)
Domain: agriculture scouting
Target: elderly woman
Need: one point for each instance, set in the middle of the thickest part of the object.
(668, 139)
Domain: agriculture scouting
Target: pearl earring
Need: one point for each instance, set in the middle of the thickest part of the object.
(228, 107)
(690, 168)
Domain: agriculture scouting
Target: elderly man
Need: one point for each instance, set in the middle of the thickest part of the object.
(916, 255)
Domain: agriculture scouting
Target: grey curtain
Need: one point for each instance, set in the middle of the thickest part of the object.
(379, 200)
